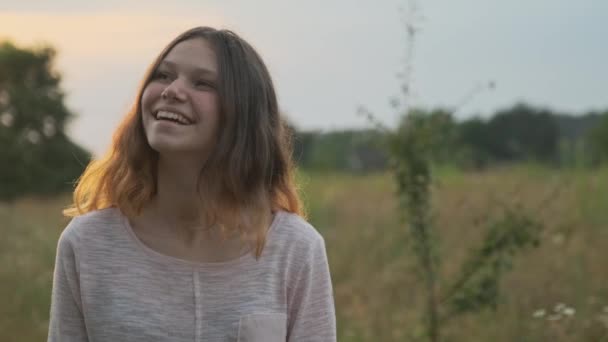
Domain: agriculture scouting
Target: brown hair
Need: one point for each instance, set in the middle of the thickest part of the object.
(248, 174)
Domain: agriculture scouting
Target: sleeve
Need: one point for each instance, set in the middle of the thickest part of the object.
(311, 302)
(66, 322)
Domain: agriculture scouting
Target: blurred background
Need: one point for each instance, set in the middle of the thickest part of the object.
(452, 154)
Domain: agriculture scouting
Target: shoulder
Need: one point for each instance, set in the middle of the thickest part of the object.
(294, 241)
(292, 229)
(91, 225)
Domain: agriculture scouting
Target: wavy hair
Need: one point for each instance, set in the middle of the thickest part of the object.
(250, 171)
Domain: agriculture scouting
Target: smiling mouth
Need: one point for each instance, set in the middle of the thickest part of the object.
(172, 117)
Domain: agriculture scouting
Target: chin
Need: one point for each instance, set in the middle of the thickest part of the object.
(164, 146)
(174, 148)
(169, 148)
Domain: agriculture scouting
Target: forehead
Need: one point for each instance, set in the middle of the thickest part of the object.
(192, 54)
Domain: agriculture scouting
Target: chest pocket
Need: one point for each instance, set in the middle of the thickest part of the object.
(266, 327)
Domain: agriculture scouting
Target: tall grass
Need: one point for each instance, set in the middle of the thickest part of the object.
(378, 298)
(29, 229)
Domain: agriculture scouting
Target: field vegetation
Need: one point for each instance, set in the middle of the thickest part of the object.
(555, 292)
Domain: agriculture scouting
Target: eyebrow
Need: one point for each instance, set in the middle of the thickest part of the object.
(203, 71)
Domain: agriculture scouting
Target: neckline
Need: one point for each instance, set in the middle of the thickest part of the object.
(244, 259)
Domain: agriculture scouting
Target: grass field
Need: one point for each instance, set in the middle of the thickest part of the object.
(378, 295)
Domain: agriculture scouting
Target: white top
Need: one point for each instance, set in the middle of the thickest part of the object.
(109, 286)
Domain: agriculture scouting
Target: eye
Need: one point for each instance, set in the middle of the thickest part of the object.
(160, 75)
(204, 84)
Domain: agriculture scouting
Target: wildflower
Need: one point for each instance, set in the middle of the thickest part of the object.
(559, 307)
(540, 313)
(569, 311)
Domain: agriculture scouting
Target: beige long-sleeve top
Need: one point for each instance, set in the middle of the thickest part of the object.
(109, 286)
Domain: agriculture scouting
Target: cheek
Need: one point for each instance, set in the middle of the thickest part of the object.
(208, 107)
(150, 95)
(207, 101)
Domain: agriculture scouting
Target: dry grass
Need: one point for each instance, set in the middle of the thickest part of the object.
(377, 293)
(29, 229)
(376, 288)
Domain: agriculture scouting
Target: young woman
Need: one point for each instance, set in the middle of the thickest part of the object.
(189, 228)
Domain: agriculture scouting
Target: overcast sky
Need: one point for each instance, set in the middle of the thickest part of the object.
(329, 57)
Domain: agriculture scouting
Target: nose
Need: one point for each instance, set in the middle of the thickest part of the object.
(174, 91)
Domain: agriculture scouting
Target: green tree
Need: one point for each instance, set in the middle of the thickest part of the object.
(476, 140)
(524, 133)
(596, 141)
(36, 156)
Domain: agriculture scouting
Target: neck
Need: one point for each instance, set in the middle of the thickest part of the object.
(177, 198)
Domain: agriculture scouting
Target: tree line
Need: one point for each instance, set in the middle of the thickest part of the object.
(521, 133)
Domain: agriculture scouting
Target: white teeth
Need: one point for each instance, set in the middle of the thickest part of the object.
(162, 114)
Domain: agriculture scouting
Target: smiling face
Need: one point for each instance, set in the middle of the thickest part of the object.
(180, 111)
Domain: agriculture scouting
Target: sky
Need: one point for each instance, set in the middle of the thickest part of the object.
(330, 57)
